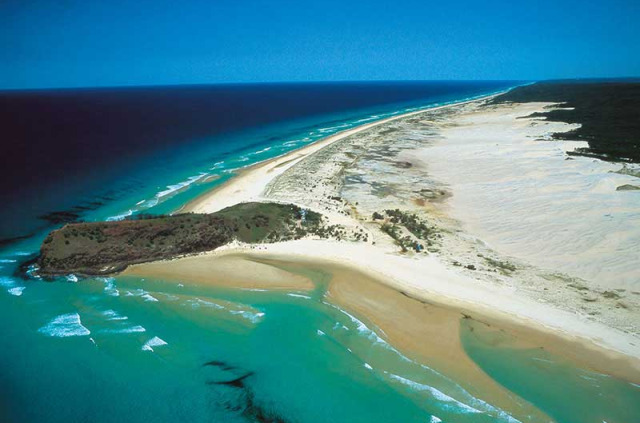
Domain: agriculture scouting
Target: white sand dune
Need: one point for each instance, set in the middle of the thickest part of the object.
(524, 198)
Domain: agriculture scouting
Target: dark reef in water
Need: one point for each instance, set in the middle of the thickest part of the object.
(608, 112)
(106, 247)
(246, 403)
(57, 217)
(236, 383)
(7, 241)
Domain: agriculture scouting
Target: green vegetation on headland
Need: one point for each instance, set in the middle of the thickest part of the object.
(609, 112)
(105, 247)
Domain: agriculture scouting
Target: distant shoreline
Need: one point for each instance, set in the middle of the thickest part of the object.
(287, 160)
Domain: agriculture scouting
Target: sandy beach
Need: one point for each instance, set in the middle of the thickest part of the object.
(386, 165)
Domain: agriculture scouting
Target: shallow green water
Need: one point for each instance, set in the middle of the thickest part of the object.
(309, 361)
(555, 386)
(130, 349)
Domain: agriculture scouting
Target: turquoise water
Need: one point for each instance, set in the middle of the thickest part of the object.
(555, 386)
(132, 349)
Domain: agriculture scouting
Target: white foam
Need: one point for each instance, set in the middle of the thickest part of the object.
(478, 404)
(306, 297)
(180, 185)
(17, 291)
(110, 287)
(153, 342)
(197, 303)
(249, 315)
(31, 271)
(120, 216)
(435, 393)
(113, 315)
(262, 151)
(64, 326)
(128, 329)
(7, 261)
(364, 330)
(149, 297)
(72, 278)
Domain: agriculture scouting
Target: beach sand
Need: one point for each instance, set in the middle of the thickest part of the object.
(229, 270)
(413, 296)
(425, 328)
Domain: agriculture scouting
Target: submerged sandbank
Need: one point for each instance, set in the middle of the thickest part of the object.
(428, 331)
(263, 268)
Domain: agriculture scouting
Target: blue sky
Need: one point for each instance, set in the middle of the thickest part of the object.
(70, 43)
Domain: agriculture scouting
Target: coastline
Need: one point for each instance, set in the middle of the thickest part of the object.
(511, 301)
(589, 344)
(425, 327)
(251, 181)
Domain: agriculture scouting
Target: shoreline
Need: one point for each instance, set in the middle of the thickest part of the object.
(593, 346)
(250, 176)
(424, 278)
(425, 329)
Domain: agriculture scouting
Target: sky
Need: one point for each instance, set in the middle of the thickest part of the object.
(86, 43)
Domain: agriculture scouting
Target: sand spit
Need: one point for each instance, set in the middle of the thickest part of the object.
(386, 165)
(423, 321)
(228, 271)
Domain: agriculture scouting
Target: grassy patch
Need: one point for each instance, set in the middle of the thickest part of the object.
(504, 267)
(106, 247)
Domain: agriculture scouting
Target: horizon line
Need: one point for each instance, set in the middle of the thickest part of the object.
(346, 81)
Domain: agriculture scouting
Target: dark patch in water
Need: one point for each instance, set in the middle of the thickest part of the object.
(257, 413)
(24, 266)
(221, 364)
(246, 404)
(236, 383)
(214, 363)
(58, 217)
(7, 241)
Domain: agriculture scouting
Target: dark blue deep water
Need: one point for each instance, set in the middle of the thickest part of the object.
(67, 153)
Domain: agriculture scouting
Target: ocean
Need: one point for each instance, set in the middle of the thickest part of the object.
(70, 153)
(133, 349)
